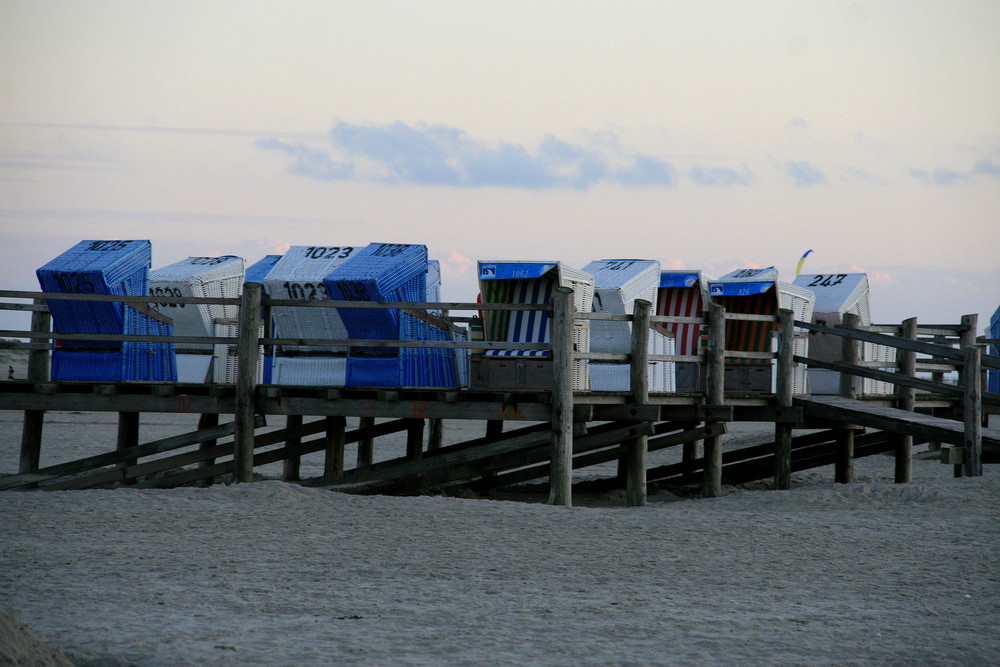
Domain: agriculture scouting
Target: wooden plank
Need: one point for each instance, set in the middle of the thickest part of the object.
(225, 449)
(885, 418)
(604, 435)
(584, 454)
(884, 376)
(116, 457)
(919, 347)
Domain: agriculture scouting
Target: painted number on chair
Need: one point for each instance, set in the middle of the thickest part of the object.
(166, 291)
(335, 252)
(306, 291)
(619, 265)
(75, 283)
(390, 249)
(827, 280)
(107, 246)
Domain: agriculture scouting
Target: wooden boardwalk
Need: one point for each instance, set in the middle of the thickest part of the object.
(894, 420)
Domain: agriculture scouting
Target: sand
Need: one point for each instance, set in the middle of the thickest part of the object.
(273, 573)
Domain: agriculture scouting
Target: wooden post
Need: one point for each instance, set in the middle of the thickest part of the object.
(844, 462)
(128, 436)
(435, 436)
(291, 468)
(972, 458)
(207, 420)
(336, 435)
(38, 371)
(635, 476)
(907, 361)
(715, 381)
(415, 439)
(366, 445)
(248, 355)
(561, 472)
(785, 368)
(973, 395)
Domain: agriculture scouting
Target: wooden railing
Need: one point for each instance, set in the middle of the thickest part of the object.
(935, 344)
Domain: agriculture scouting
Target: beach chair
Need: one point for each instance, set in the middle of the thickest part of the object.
(684, 294)
(256, 273)
(220, 277)
(838, 294)
(528, 283)
(617, 284)
(391, 272)
(759, 292)
(106, 267)
(299, 275)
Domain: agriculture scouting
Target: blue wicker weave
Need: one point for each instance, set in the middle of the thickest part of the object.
(105, 267)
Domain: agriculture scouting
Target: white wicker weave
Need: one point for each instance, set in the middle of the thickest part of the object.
(838, 294)
(299, 275)
(616, 377)
(218, 277)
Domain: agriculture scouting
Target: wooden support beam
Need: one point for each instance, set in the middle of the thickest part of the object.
(715, 367)
(366, 446)
(292, 466)
(635, 475)
(843, 468)
(38, 371)
(561, 475)
(128, 435)
(333, 464)
(906, 397)
(208, 420)
(248, 353)
(785, 369)
(972, 464)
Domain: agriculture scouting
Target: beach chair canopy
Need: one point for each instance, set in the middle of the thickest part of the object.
(220, 277)
(837, 294)
(617, 285)
(110, 267)
(757, 292)
(378, 272)
(682, 294)
(300, 275)
(527, 283)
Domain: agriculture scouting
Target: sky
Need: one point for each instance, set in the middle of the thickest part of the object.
(708, 135)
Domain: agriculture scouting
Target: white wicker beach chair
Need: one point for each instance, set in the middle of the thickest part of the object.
(838, 294)
(617, 285)
(220, 277)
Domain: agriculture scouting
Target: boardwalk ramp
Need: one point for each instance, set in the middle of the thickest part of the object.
(894, 420)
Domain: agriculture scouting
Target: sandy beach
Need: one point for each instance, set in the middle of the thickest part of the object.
(273, 573)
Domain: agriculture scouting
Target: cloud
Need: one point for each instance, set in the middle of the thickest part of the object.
(802, 173)
(441, 155)
(944, 176)
(798, 124)
(646, 170)
(720, 176)
(308, 161)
